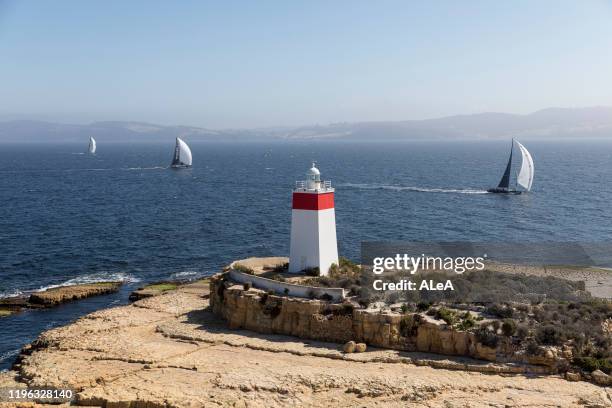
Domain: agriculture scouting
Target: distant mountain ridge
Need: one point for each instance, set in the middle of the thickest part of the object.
(545, 123)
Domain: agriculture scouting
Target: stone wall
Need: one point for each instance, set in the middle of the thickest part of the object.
(319, 320)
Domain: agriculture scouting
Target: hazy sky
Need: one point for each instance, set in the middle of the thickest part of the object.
(266, 63)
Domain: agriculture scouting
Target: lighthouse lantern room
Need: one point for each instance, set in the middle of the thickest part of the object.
(313, 225)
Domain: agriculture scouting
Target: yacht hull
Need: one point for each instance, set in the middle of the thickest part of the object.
(503, 191)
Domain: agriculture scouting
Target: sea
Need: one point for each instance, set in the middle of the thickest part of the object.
(67, 217)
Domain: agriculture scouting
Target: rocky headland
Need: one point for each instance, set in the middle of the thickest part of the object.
(172, 350)
(56, 296)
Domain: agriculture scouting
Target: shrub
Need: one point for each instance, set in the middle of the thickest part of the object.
(281, 268)
(423, 306)
(486, 337)
(246, 285)
(522, 332)
(244, 269)
(499, 310)
(278, 278)
(404, 308)
(550, 335)
(448, 316)
(591, 364)
(312, 271)
(467, 321)
(409, 325)
(347, 309)
(326, 297)
(532, 348)
(508, 327)
(364, 302)
(286, 291)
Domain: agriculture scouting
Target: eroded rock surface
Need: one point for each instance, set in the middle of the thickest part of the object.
(171, 351)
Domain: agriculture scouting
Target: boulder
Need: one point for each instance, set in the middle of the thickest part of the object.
(360, 347)
(349, 347)
(569, 376)
(601, 378)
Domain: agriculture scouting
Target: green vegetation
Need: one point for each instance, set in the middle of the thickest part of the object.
(312, 271)
(508, 327)
(244, 269)
(466, 322)
(409, 325)
(346, 275)
(486, 336)
(591, 364)
(162, 287)
(500, 310)
(281, 268)
(277, 277)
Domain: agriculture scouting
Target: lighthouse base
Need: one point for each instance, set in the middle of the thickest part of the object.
(313, 240)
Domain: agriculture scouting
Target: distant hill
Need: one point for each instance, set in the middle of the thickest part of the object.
(546, 123)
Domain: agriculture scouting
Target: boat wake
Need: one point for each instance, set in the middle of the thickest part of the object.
(414, 189)
(147, 168)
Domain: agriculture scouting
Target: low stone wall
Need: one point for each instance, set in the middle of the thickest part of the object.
(286, 289)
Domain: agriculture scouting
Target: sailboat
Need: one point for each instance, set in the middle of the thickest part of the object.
(182, 155)
(525, 175)
(92, 145)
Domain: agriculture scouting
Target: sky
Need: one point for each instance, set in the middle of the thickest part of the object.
(233, 64)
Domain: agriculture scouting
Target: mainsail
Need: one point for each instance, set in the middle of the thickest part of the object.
(525, 176)
(182, 154)
(92, 145)
(505, 180)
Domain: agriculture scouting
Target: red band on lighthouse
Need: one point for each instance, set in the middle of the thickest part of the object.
(309, 201)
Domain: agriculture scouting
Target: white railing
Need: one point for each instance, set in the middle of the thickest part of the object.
(301, 185)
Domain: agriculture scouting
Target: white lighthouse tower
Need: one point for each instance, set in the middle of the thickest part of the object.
(313, 225)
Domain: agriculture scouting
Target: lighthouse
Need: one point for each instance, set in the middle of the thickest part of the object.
(313, 225)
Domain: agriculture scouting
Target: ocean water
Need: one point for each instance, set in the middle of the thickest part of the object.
(67, 217)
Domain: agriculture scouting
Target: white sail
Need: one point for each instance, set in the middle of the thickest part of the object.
(92, 145)
(525, 176)
(184, 152)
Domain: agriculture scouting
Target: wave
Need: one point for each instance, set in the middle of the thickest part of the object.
(415, 189)
(8, 355)
(15, 293)
(93, 278)
(147, 168)
(185, 275)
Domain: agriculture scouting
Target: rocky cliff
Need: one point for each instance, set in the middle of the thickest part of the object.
(256, 310)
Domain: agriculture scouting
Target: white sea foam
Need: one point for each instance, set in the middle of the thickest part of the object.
(8, 354)
(93, 278)
(185, 275)
(415, 189)
(13, 293)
